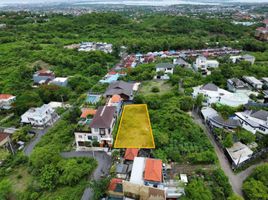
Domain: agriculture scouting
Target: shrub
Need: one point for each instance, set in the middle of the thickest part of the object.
(155, 89)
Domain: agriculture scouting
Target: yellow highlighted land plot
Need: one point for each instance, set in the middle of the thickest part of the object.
(135, 129)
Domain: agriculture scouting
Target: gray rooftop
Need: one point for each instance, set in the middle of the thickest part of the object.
(119, 87)
(261, 114)
(210, 86)
(237, 83)
(103, 118)
(180, 61)
(229, 122)
(164, 65)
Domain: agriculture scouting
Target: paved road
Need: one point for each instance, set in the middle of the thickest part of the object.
(39, 133)
(236, 180)
(29, 148)
(104, 164)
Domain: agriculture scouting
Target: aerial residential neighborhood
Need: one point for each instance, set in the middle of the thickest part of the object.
(133, 100)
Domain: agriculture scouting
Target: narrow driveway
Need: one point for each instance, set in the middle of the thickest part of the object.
(236, 180)
(104, 164)
(39, 133)
(29, 148)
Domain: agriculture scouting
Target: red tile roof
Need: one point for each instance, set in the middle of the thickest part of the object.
(113, 183)
(88, 111)
(5, 96)
(153, 170)
(3, 136)
(130, 154)
(116, 98)
(112, 73)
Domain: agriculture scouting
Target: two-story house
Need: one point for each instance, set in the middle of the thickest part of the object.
(6, 101)
(254, 121)
(40, 117)
(101, 128)
(163, 70)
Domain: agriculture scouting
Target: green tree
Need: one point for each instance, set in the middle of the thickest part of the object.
(49, 177)
(5, 189)
(197, 190)
(228, 140)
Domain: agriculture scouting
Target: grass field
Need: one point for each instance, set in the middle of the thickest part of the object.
(135, 128)
(146, 87)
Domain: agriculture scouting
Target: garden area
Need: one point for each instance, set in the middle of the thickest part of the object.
(155, 87)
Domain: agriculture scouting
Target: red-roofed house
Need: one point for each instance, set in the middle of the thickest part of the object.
(6, 101)
(116, 101)
(115, 188)
(88, 112)
(130, 154)
(153, 171)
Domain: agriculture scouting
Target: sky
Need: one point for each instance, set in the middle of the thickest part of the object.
(149, 1)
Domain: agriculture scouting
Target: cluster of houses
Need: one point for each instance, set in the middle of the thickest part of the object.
(46, 77)
(261, 33)
(96, 126)
(132, 60)
(92, 46)
(137, 176)
(250, 120)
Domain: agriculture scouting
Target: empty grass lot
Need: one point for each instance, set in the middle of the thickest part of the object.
(146, 87)
(135, 128)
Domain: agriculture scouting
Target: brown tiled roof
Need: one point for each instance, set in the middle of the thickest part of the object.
(130, 154)
(103, 118)
(3, 136)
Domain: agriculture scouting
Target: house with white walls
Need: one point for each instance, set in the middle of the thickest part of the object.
(100, 129)
(6, 101)
(163, 70)
(214, 94)
(254, 121)
(40, 117)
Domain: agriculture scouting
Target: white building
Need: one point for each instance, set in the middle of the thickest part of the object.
(214, 94)
(239, 153)
(137, 171)
(101, 128)
(60, 81)
(254, 121)
(203, 63)
(6, 101)
(247, 57)
(163, 70)
(255, 83)
(93, 46)
(40, 117)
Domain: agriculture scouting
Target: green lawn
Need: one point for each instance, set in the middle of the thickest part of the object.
(146, 87)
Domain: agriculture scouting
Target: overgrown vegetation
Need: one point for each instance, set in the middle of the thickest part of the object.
(256, 185)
